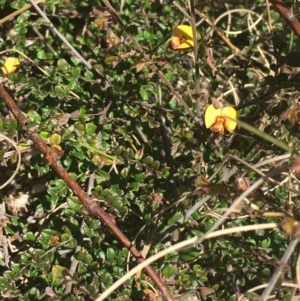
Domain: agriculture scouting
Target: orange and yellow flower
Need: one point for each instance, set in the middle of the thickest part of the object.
(10, 65)
(182, 38)
(221, 119)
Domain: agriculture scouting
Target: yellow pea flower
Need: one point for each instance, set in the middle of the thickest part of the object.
(182, 38)
(10, 65)
(217, 120)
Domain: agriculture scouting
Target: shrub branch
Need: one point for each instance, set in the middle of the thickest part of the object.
(53, 156)
(287, 15)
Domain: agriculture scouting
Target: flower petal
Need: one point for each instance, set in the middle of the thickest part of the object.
(10, 65)
(210, 116)
(187, 44)
(174, 43)
(183, 31)
(230, 115)
(218, 127)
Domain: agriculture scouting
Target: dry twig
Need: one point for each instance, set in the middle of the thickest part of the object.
(52, 155)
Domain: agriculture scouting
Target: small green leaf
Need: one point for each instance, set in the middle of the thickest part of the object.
(48, 233)
(106, 278)
(144, 94)
(140, 177)
(44, 135)
(90, 128)
(84, 256)
(174, 219)
(74, 203)
(112, 60)
(88, 75)
(9, 231)
(134, 186)
(139, 154)
(189, 254)
(58, 271)
(187, 134)
(34, 117)
(29, 236)
(125, 172)
(266, 272)
(146, 35)
(99, 68)
(62, 65)
(110, 254)
(76, 61)
(266, 243)
(55, 139)
(168, 271)
(147, 160)
(41, 55)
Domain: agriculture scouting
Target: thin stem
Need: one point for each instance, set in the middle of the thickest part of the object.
(287, 16)
(18, 12)
(52, 154)
(181, 245)
(222, 35)
(237, 201)
(264, 135)
(13, 143)
(284, 260)
(196, 58)
(140, 49)
(73, 50)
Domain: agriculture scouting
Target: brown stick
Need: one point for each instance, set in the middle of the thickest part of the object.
(52, 154)
(18, 12)
(287, 15)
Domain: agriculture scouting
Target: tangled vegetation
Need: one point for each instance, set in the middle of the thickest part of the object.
(135, 129)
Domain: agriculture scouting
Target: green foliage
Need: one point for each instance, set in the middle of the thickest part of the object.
(128, 140)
